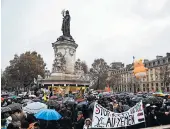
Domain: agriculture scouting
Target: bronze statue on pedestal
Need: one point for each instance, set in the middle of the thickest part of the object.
(66, 27)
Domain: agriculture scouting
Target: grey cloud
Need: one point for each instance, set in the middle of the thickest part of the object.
(113, 30)
(151, 9)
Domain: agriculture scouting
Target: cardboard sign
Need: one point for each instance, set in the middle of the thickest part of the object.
(103, 118)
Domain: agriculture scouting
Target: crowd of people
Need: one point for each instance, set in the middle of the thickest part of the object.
(78, 114)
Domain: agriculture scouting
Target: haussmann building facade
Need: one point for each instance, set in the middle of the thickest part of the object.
(158, 76)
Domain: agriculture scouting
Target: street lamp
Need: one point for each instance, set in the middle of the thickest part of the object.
(47, 75)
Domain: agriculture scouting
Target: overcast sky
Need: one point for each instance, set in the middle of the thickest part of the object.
(115, 30)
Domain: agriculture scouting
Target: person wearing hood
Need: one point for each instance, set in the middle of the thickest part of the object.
(87, 124)
(80, 121)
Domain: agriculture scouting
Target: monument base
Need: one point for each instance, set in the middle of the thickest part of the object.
(63, 76)
(67, 82)
(57, 79)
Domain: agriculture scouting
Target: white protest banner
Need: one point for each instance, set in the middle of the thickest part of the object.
(103, 118)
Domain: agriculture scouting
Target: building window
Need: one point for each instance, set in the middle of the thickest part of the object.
(151, 77)
(149, 64)
(153, 63)
(143, 84)
(147, 78)
(156, 76)
(161, 84)
(147, 85)
(152, 84)
(138, 89)
(143, 89)
(156, 84)
(168, 59)
(163, 61)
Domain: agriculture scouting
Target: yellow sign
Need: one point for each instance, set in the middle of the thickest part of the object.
(65, 89)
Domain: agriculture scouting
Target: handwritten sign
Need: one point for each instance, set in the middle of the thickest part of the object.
(103, 118)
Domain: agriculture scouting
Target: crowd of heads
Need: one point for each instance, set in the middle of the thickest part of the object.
(79, 115)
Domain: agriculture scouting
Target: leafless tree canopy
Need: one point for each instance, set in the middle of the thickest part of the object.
(98, 73)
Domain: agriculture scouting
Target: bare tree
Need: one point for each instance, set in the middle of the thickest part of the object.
(99, 74)
(114, 81)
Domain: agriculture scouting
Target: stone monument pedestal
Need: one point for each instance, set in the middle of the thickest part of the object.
(64, 73)
(67, 50)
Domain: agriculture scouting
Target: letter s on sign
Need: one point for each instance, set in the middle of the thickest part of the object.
(97, 111)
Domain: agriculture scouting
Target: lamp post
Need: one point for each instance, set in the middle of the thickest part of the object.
(47, 74)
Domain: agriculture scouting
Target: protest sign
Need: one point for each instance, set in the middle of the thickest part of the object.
(103, 118)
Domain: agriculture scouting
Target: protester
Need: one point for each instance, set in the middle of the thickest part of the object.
(80, 121)
(87, 124)
(78, 116)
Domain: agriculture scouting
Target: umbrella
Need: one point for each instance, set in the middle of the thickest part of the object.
(82, 103)
(100, 94)
(32, 96)
(5, 109)
(125, 107)
(2, 99)
(36, 100)
(106, 93)
(80, 100)
(48, 114)
(158, 94)
(52, 103)
(26, 101)
(15, 106)
(167, 102)
(152, 99)
(34, 107)
(69, 100)
(5, 95)
(53, 97)
(137, 99)
(14, 97)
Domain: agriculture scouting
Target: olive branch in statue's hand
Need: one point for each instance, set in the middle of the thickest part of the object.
(63, 12)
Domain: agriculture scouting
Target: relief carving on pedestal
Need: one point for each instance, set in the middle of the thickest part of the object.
(71, 51)
(78, 67)
(55, 51)
(59, 63)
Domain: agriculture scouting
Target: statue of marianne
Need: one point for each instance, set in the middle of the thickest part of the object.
(66, 27)
(66, 23)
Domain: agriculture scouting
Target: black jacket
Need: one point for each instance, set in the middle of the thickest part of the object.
(79, 124)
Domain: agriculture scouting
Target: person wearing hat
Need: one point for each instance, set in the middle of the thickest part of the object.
(87, 124)
(80, 121)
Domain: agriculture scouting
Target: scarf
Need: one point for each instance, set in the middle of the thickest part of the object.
(79, 118)
(87, 126)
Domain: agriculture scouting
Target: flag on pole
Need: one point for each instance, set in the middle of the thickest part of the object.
(133, 58)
